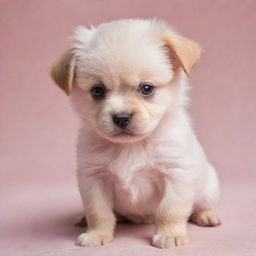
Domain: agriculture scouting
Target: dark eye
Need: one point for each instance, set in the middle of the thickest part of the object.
(98, 91)
(146, 89)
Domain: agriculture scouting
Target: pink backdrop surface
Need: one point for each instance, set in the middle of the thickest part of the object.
(39, 197)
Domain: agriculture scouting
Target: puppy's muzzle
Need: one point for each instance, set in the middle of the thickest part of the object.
(122, 119)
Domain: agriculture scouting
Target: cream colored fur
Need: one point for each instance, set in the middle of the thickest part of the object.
(159, 171)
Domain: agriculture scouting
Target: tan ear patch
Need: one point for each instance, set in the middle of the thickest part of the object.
(62, 71)
(183, 52)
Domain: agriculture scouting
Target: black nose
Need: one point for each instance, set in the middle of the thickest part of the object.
(122, 119)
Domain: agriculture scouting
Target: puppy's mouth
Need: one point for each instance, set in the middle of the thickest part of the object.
(125, 133)
(124, 136)
(121, 135)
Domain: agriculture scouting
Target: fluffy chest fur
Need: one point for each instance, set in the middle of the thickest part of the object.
(134, 172)
(135, 178)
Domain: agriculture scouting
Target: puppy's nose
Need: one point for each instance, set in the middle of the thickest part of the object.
(122, 119)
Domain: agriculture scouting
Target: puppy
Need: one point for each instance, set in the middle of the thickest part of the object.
(137, 154)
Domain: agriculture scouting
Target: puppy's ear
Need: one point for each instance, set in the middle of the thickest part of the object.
(183, 52)
(62, 71)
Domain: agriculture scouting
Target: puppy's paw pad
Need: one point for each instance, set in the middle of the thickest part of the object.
(205, 218)
(87, 239)
(164, 241)
(80, 221)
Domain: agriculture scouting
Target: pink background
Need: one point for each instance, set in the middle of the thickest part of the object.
(38, 190)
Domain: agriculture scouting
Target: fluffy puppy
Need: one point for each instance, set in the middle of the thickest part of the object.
(138, 156)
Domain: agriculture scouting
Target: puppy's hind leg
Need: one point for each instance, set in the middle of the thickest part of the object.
(203, 215)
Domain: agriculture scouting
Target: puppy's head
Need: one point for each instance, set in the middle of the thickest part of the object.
(124, 76)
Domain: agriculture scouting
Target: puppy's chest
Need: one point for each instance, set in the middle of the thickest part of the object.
(130, 162)
(134, 175)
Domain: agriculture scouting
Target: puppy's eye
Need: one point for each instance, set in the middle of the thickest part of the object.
(146, 89)
(98, 91)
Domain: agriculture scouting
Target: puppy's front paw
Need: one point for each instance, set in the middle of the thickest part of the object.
(165, 241)
(90, 239)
